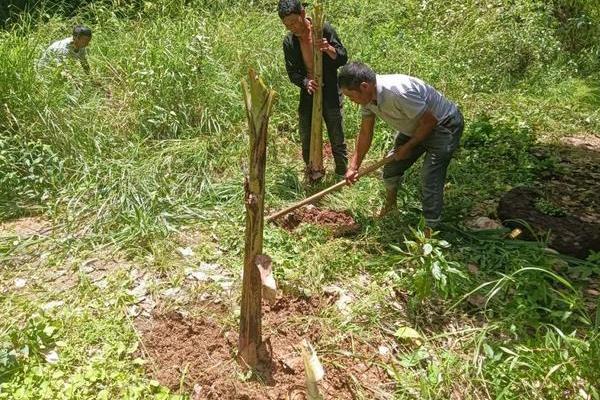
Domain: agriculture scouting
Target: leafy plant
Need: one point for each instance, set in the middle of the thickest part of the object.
(427, 258)
(21, 346)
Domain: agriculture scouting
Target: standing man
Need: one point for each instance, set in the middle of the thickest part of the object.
(426, 123)
(298, 51)
(72, 47)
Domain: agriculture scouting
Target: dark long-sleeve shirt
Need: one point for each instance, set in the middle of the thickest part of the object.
(296, 70)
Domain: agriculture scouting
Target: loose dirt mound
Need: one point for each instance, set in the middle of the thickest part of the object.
(341, 222)
(567, 234)
(198, 356)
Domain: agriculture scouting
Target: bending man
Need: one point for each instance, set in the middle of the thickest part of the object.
(426, 123)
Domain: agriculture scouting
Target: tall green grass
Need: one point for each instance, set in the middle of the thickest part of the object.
(156, 140)
(170, 71)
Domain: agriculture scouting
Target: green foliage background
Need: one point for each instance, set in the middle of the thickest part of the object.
(157, 140)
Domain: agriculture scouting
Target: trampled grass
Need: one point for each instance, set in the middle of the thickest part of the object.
(156, 144)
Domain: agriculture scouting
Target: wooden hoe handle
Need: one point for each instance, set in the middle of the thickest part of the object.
(330, 189)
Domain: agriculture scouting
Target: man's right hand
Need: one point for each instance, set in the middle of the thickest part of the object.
(311, 86)
(351, 176)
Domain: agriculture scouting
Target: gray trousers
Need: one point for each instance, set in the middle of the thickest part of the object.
(332, 115)
(438, 149)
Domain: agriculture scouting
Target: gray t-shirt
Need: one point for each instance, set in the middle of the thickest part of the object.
(60, 50)
(402, 99)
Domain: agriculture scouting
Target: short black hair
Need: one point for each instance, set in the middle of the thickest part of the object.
(81, 30)
(353, 74)
(289, 7)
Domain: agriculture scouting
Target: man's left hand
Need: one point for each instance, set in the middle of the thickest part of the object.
(325, 47)
(351, 176)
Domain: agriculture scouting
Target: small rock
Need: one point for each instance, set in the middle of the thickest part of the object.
(197, 392)
(333, 290)
(226, 285)
(205, 297)
(97, 275)
(398, 306)
(364, 280)
(139, 292)
(593, 292)
(483, 223)
(384, 351)
(171, 292)
(291, 364)
(343, 303)
(148, 304)
(210, 268)
(136, 274)
(101, 284)
(53, 304)
(134, 311)
(59, 273)
(185, 251)
(20, 283)
(51, 357)
(198, 275)
(88, 265)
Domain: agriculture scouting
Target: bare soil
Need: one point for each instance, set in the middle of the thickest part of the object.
(341, 222)
(197, 356)
(25, 227)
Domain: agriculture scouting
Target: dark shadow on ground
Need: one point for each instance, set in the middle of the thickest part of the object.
(563, 203)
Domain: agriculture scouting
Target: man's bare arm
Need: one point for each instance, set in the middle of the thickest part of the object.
(363, 144)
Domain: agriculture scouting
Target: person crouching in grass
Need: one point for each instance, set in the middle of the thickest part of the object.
(73, 47)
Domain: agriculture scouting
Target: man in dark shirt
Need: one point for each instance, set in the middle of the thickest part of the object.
(298, 51)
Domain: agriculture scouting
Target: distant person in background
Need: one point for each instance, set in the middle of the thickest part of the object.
(298, 52)
(69, 48)
(426, 123)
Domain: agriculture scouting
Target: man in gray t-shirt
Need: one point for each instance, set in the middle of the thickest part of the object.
(72, 47)
(426, 123)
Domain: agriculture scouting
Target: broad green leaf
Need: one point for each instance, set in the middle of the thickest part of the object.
(404, 332)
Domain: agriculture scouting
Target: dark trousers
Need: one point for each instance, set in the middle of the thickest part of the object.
(332, 115)
(438, 149)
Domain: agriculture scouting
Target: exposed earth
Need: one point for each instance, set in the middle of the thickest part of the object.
(198, 355)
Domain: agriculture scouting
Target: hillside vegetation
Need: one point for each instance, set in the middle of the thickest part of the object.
(155, 144)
